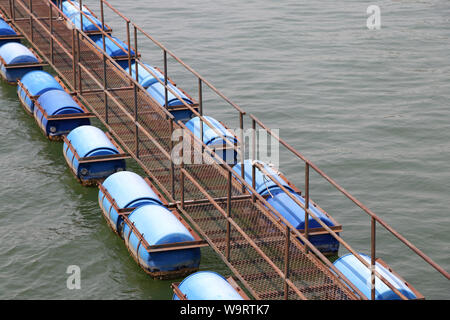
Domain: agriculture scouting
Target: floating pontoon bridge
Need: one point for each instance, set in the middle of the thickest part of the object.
(270, 256)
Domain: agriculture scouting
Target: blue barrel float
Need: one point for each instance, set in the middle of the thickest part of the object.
(212, 139)
(92, 155)
(205, 285)
(116, 49)
(157, 90)
(128, 190)
(17, 60)
(360, 275)
(32, 85)
(135, 211)
(159, 227)
(289, 209)
(8, 33)
(57, 113)
(72, 11)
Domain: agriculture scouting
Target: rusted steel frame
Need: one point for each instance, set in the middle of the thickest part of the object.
(115, 10)
(129, 46)
(197, 243)
(204, 201)
(81, 14)
(30, 5)
(236, 287)
(286, 263)
(228, 215)
(280, 219)
(51, 32)
(181, 169)
(177, 291)
(105, 80)
(253, 157)
(136, 119)
(100, 30)
(62, 116)
(191, 70)
(218, 251)
(74, 54)
(80, 80)
(330, 231)
(247, 238)
(172, 167)
(166, 101)
(357, 202)
(168, 89)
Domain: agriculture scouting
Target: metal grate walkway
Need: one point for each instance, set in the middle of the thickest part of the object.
(263, 252)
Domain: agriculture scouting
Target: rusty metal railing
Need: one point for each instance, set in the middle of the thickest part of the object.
(82, 73)
(374, 219)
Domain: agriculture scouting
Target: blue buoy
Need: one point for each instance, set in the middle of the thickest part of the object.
(90, 141)
(129, 190)
(174, 105)
(13, 53)
(54, 103)
(207, 285)
(213, 140)
(263, 184)
(36, 83)
(114, 51)
(158, 226)
(295, 215)
(145, 78)
(355, 271)
(7, 33)
(72, 11)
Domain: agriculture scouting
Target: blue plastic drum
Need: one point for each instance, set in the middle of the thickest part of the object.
(207, 285)
(15, 53)
(36, 83)
(90, 141)
(113, 50)
(145, 78)
(355, 271)
(159, 226)
(295, 215)
(157, 91)
(263, 184)
(57, 102)
(213, 140)
(72, 11)
(129, 190)
(7, 31)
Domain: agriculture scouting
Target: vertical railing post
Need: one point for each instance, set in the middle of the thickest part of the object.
(253, 157)
(11, 9)
(306, 203)
(74, 56)
(30, 4)
(50, 13)
(129, 46)
(80, 85)
(165, 79)
(81, 16)
(181, 170)
(228, 234)
(286, 262)
(372, 257)
(136, 118)
(241, 137)
(105, 80)
(172, 167)
(200, 111)
(135, 54)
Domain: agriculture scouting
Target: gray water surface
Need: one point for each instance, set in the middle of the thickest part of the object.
(369, 107)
